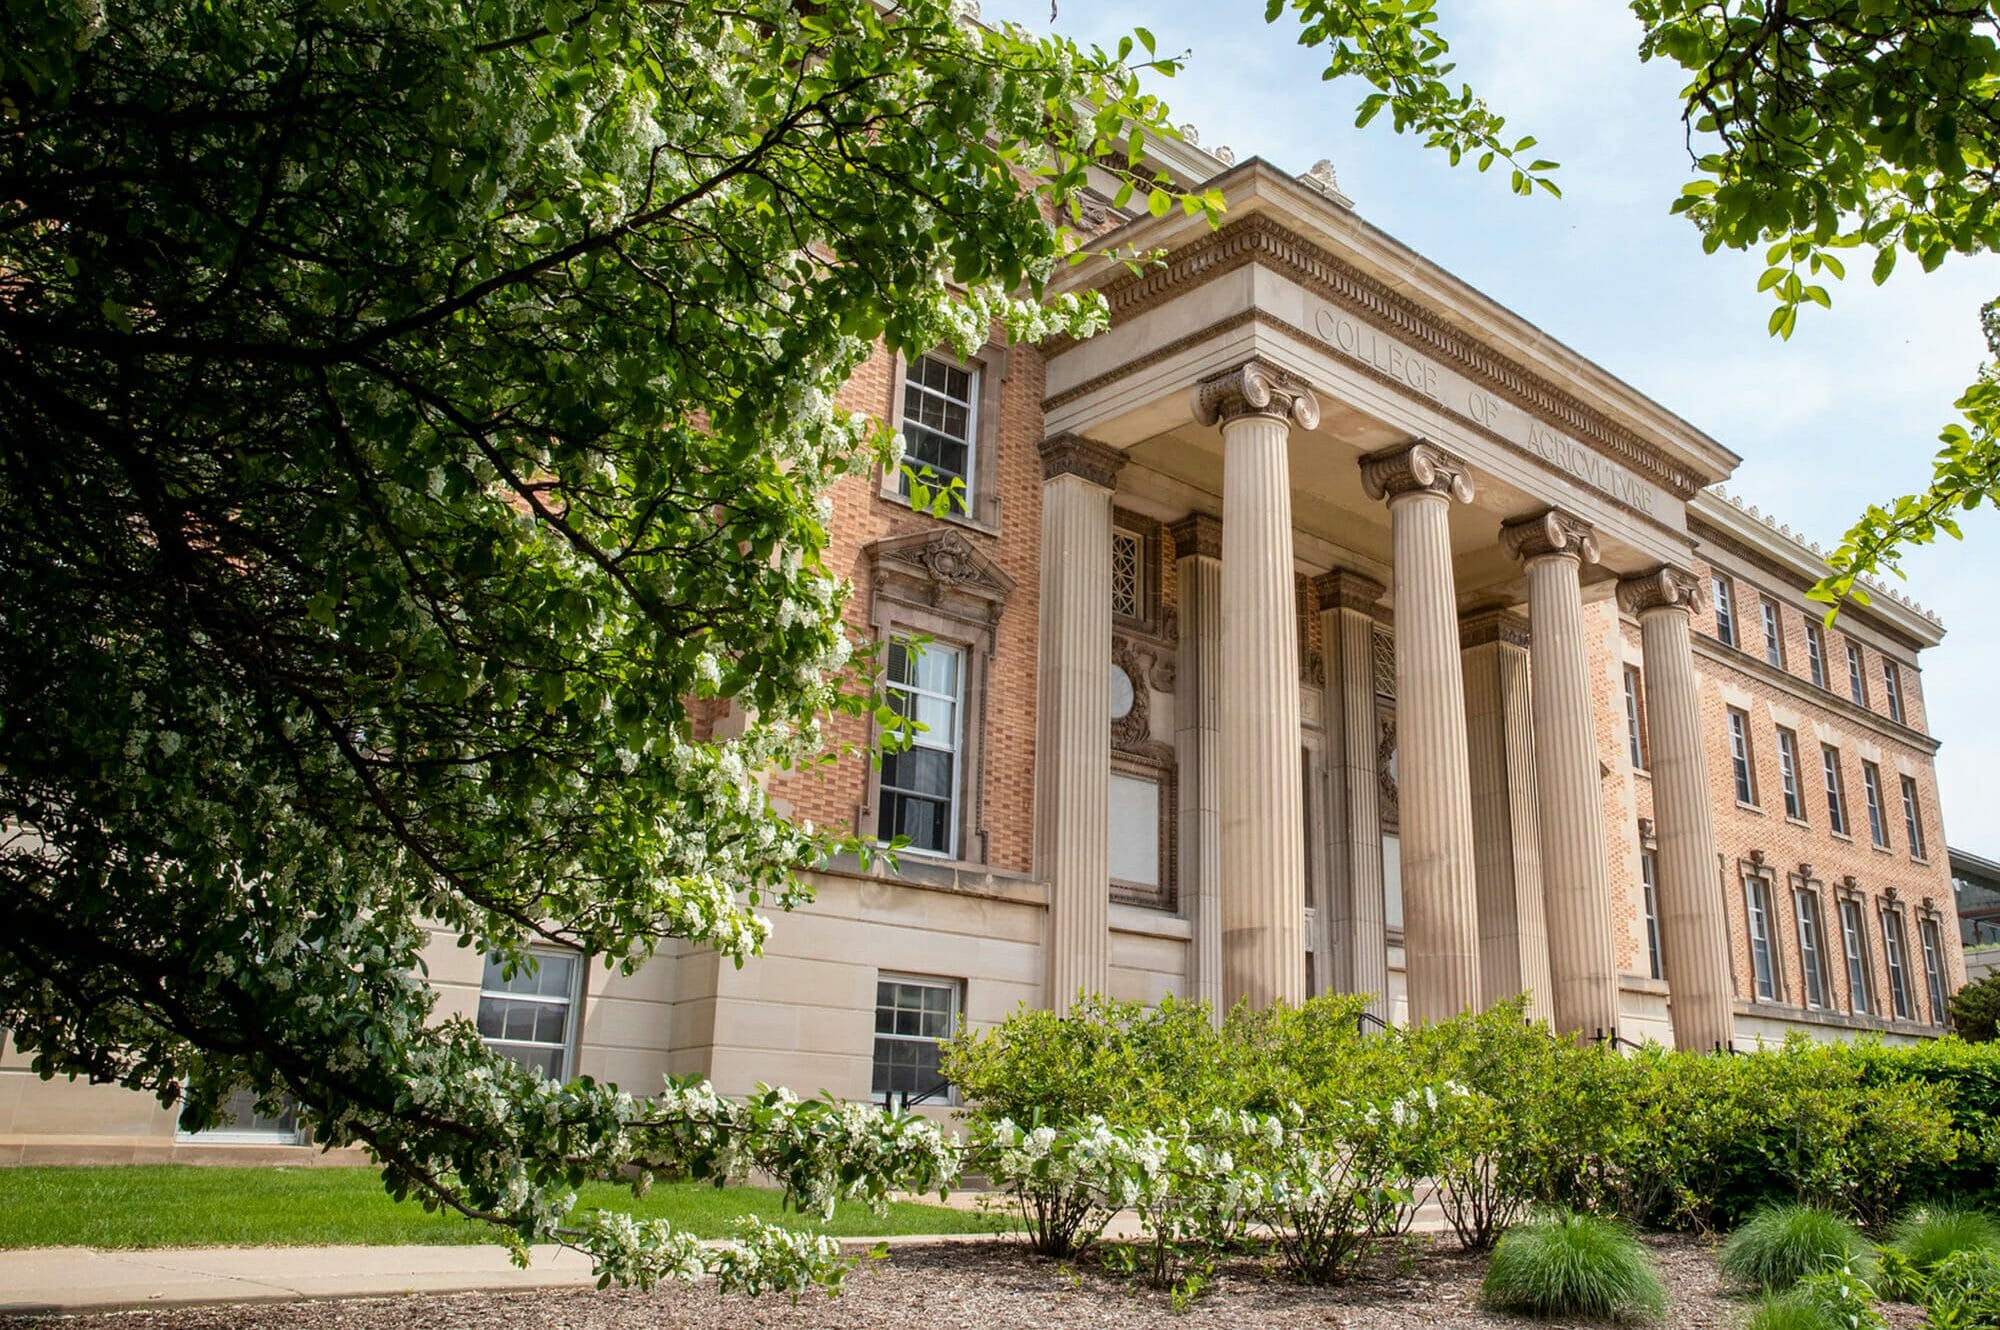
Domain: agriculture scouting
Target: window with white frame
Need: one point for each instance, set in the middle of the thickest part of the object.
(919, 787)
(1740, 757)
(240, 1123)
(1913, 817)
(1892, 690)
(1816, 653)
(1854, 942)
(1725, 610)
(913, 1018)
(1805, 903)
(1763, 957)
(1927, 932)
(1788, 774)
(939, 403)
(1893, 952)
(1650, 898)
(1857, 682)
(529, 1015)
(1878, 818)
(1136, 860)
(1774, 634)
(1128, 574)
(1836, 797)
(1635, 718)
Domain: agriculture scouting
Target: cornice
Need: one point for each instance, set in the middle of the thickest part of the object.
(1486, 626)
(1087, 459)
(1345, 589)
(1197, 534)
(1260, 239)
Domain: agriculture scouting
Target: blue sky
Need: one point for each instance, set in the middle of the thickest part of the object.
(1845, 413)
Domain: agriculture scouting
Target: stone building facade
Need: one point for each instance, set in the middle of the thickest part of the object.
(1321, 626)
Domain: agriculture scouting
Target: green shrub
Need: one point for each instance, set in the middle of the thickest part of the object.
(1963, 1292)
(1928, 1234)
(1782, 1244)
(1571, 1264)
(1842, 1295)
(1789, 1311)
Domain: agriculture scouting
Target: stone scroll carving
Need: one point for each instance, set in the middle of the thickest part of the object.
(1255, 388)
(1554, 533)
(1415, 468)
(1666, 587)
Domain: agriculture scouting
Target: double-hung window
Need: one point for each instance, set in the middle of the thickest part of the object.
(1788, 773)
(1854, 941)
(1763, 960)
(913, 1018)
(530, 1016)
(1811, 946)
(1816, 653)
(1725, 610)
(1927, 932)
(1774, 634)
(1892, 690)
(1739, 757)
(919, 797)
(1913, 817)
(1635, 719)
(1836, 797)
(938, 424)
(1878, 818)
(1649, 884)
(1893, 952)
(1857, 682)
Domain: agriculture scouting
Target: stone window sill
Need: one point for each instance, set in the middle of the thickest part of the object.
(1758, 809)
(1841, 835)
(1798, 821)
(893, 494)
(1149, 922)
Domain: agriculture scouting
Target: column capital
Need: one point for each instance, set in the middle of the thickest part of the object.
(1486, 626)
(1254, 388)
(1664, 588)
(1550, 534)
(1197, 534)
(1418, 467)
(1087, 459)
(1345, 589)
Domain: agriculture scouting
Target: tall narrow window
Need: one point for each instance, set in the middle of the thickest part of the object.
(1836, 798)
(938, 421)
(1913, 818)
(1816, 653)
(1128, 574)
(1854, 941)
(1757, 906)
(1136, 834)
(1649, 884)
(528, 1017)
(1857, 683)
(1927, 932)
(1892, 690)
(1774, 635)
(1788, 772)
(1725, 611)
(1878, 818)
(1810, 947)
(1739, 757)
(920, 784)
(1892, 953)
(1635, 719)
(913, 1018)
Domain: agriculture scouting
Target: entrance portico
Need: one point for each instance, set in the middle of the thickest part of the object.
(1383, 446)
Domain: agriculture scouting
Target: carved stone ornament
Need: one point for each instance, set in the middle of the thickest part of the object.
(1197, 535)
(1551, 534)
(1666, 587)
(1150, 672)
(1254, 388)
(1074, 455)
(1345, 589)
(940, 570)
(1385, 769)
(1486, 626)
(1415, 468)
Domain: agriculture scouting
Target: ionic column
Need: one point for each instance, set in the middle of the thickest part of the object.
(1693, 933)
(1263, 851)
(1499, 732)
(1583, 964)
(1198, 746)
(1073, 744)
(1440, 890)
(1356, 940)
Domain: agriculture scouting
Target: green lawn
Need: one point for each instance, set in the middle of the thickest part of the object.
(181, 1206)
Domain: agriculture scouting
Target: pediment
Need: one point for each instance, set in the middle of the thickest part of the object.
(939, 568)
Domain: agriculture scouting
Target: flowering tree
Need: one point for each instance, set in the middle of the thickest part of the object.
(410, 410)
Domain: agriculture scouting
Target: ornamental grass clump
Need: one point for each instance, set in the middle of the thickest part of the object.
(1782, 1244)
(1568, 1264)
(1927, 1235)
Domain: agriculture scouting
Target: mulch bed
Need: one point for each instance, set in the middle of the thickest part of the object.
(987, 1286)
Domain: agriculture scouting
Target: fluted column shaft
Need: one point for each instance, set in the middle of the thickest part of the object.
(1356, 929)
(1263, 849)
(1440, 888)
(1073, 746)
(1198, 747)
(1693, 933)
